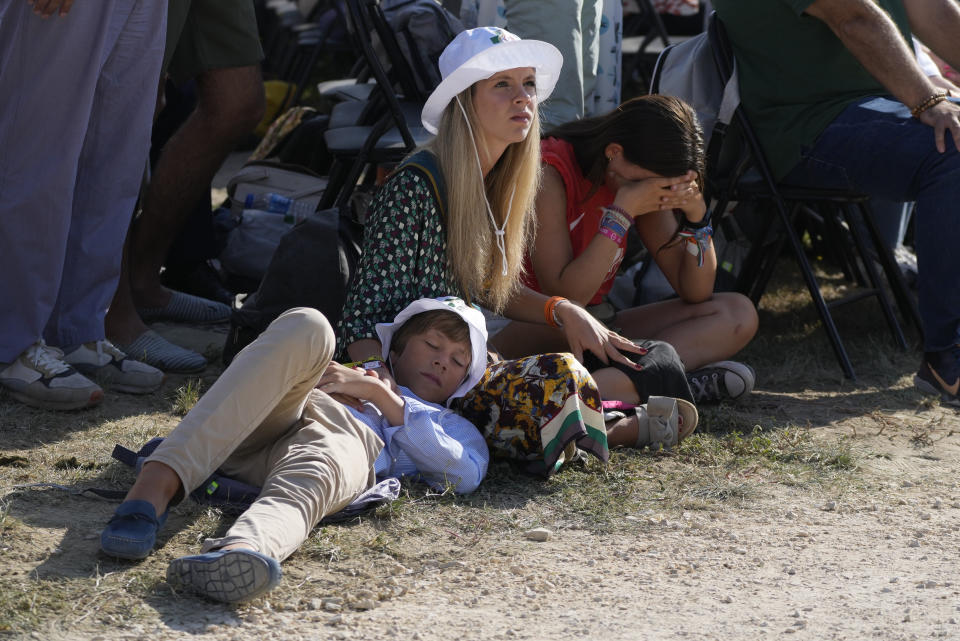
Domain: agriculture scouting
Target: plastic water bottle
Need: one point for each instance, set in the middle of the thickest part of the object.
(273, 203)
(293, 211)
(301, 209)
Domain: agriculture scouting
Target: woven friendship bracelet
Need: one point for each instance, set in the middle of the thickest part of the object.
(614, 223)
(929, 102)
(617, 214)
(698, 241)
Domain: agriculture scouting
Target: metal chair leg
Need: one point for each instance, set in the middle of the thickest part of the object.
(849, 212)
(825, 317)
(908, 308)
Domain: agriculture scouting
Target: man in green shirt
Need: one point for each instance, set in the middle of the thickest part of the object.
(838, 101)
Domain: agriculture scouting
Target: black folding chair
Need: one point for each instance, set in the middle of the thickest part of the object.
(391, 136)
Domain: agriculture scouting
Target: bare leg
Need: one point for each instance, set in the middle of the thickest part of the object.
(122, 323)
(701, 333)
(623, 432)
(230, 104)
(156, 484)
(615, 385)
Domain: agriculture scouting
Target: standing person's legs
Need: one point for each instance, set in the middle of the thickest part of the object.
(39, 68)
(556, 22)
(41, 137)
(109, 173)
(591, 13)
(606, 91)
(220, 47)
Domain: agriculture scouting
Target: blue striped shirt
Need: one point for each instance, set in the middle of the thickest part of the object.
(434, 444)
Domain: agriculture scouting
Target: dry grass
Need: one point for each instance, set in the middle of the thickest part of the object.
(52, 576)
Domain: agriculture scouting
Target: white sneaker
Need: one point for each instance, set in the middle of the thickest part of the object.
(103, 362)
(39, 378)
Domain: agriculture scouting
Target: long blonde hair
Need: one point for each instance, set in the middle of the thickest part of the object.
(472, 253)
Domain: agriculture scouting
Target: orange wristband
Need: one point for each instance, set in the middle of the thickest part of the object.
(550, 310)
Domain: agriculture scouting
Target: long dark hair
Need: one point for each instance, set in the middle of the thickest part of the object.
(658, 133)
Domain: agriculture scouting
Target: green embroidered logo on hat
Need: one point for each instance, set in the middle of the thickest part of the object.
(497, 39)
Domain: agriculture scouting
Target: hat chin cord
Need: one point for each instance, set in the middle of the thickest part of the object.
(502, 230)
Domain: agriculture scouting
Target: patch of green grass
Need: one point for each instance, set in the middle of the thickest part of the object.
(186, 396)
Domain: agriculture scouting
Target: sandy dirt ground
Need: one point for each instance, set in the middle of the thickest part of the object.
(876, 559)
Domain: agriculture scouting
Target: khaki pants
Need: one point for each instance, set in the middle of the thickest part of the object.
(263, 422)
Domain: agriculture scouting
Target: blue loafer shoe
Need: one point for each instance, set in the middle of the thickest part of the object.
(132, 531)
(229, 576)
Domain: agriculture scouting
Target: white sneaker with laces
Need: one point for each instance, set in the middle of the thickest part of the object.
(40, 378)
(103, 362)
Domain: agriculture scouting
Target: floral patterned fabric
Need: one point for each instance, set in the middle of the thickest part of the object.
(404, 256)
(538, 410)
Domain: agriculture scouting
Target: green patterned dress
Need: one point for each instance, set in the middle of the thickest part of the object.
(537, 410)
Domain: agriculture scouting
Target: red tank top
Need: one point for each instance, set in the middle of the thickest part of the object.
(583, 213)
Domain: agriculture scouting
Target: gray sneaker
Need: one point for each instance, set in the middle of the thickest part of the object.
(721, 381)
(103, 362)
(40, 378)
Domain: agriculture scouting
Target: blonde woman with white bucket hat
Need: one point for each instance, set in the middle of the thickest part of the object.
(456, 218)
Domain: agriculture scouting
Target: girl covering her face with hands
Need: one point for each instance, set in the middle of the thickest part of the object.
(638, 166)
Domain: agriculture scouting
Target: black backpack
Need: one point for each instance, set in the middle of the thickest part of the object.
(311, 267)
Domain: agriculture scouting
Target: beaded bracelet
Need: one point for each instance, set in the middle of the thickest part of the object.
(550, 311)
(930, 101)
(697, 241)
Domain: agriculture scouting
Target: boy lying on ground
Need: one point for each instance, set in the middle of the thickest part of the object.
(264, 423)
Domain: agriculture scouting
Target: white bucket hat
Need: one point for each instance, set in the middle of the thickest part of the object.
(474, 320)
(477, 54)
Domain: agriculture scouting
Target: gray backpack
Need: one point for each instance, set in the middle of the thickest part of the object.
(687, 70)
(423, 29)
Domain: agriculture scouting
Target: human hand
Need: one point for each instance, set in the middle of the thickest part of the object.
(352, 386)
(584, 332)
(365, 387)
(46, 8)
(648, 195)
(943, 117)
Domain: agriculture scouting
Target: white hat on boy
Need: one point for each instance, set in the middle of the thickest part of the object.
(476, 54)
(472, 316)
